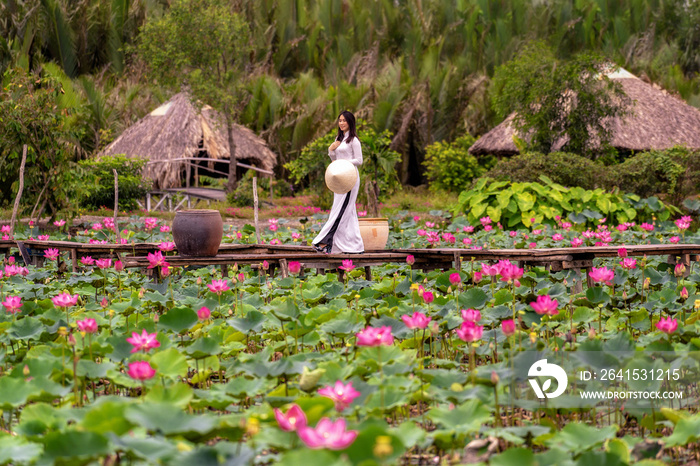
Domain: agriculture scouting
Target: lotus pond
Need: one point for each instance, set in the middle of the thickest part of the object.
(106, 366)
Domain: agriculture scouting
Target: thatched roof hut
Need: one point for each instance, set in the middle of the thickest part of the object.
(178, 129)
(657, 121)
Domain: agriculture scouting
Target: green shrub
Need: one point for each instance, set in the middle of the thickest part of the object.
(242, 196)
(94, 182)
(561, 167)
(450, 166)
(674, 174)
(516, 204)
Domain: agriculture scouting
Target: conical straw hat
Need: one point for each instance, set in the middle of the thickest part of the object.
(341, 176)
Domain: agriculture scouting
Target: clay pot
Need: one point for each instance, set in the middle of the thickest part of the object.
(374, 232)
(198, 232)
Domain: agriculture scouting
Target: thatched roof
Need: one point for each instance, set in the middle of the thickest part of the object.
(175, 130)
(657, 121)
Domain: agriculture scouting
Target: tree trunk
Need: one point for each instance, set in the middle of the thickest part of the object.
(232, 180)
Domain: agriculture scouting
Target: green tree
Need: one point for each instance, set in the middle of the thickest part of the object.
(201, 44)
(30, 114)
(554, 99)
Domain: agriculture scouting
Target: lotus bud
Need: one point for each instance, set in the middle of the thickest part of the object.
(25, 371)
(679, 270)
(142, 291)
(199, 280)
(104, 303)
(71, 340)
(684, 293)
(647, 282)
(591, 333)
(533, 337)
(494, 378)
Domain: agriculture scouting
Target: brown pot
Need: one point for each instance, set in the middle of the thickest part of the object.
(198, 232)
(374, 232)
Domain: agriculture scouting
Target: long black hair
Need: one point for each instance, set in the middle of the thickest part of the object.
(350, 119)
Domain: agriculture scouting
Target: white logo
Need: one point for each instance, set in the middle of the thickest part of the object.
(542, 368)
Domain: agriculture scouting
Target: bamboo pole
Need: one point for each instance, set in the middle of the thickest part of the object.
(255, 207)
(116, 202)
(19, 191)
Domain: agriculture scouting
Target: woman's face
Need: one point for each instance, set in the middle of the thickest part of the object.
(342, 124)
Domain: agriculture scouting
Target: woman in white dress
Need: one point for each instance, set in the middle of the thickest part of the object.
(341, 233)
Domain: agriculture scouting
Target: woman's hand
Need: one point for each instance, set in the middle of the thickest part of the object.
(334, 146)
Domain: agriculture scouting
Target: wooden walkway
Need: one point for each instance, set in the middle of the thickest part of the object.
(279, 256)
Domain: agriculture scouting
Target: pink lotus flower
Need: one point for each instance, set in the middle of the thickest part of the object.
(477, 277)
(602, 274)
(241, 277)
(490, 270)
(165, 229)
(684, 293)
(103, 263)
(119, 266)
(468, 229)
(155, 259)
(485, 220)
(418, 320)
(508, 327)
(341, 394)
(576, 242)
(218, 286)
(545, 305)
(141, 370)
(628, 263)
(149, 223)
(59, 223)
(557, 237)
(471, 315)
(532, 245)
(647, 226)
(513, 234)
(488, 228)
(293, 420)
(296, 236)
(469, 331)
(682, 224)
(622, 252)
(294, 267)
(97, 226)
(87, 325)
(51, 254)
(265, 265)
(455, 279)
(144, 342)
(510, 271)
(410, 260)
(273, 227)
(43, 237)
(371, 336)
(674, 239)
(12, 304)
(667, 325)
(421, 232)
(65, 300)
(165, 269)
(203, 313)
(467, 241)
(428, 297)
(429, 224)
(166, 246)
(347, 265)
(328, 434)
